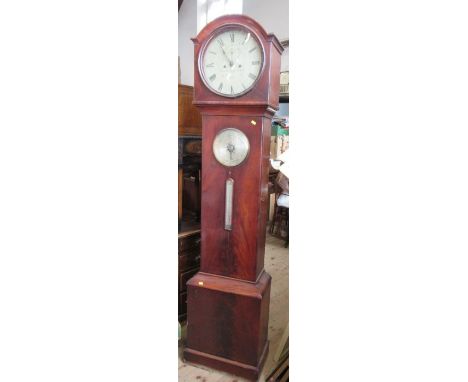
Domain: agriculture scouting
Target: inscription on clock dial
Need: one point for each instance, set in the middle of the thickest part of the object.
(232, 62)
(230, 147)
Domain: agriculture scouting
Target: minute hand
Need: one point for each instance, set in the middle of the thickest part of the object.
(225, 55)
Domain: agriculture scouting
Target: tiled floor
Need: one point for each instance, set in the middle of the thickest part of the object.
(277, 265)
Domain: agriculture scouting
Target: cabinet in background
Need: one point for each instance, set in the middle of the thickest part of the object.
(190, 123)
(189, 262)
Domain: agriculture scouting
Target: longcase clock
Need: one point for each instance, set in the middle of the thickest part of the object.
(236, 88)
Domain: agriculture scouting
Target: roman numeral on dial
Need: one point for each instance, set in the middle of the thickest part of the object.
(255, 62)
(251, 50)
(210, 65)
(252, 76)
(232, 36)
(220, 87)
(213, 77)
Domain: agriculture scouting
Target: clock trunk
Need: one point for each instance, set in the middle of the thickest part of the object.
(235, 253)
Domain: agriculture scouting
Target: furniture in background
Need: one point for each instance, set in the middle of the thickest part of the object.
(281, 372)
(190, 122)
(180, 196)
(279, 226)
(189, 262)
(272, 190)
(190, 165)
(189, 175)
(284, 76)
(284, 86)
(189, 128)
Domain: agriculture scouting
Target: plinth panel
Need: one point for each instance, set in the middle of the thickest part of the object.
(227, 325)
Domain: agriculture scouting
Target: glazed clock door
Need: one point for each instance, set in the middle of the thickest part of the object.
(231, 62)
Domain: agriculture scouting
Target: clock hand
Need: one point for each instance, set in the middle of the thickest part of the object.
(225, 55)
(230, 147)
(236, 60)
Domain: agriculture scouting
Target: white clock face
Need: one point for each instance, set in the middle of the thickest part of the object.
(230, 147)
(232, 62)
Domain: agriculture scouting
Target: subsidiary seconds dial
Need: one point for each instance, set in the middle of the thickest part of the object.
(232, 62)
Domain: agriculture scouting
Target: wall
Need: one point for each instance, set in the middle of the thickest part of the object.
(187, 30)
(273, 15)
(208, 10)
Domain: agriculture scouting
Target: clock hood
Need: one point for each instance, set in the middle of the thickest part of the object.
(265, 92)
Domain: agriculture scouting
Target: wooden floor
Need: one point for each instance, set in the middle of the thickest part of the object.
(277, 265)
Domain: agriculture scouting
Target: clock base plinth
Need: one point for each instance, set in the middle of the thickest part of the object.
(227, 323)
(240, 369)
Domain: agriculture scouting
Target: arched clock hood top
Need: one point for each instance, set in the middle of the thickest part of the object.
(241, 20)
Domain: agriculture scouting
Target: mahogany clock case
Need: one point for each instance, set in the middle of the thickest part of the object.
(228, 300)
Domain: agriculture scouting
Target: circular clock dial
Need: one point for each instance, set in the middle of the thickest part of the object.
(230, 147)
(232, 62)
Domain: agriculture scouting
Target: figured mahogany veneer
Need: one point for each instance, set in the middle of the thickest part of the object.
(238, 253)
(228, 300)
(228, 323)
